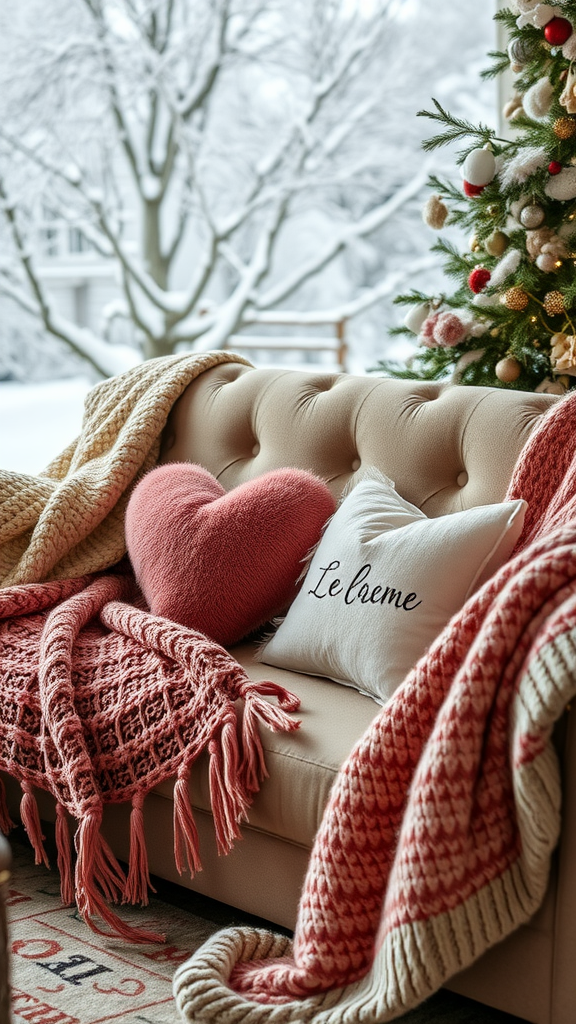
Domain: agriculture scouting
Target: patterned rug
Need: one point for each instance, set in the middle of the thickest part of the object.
(62, 973)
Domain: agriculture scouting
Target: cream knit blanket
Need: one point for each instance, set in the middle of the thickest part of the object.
(69, 521)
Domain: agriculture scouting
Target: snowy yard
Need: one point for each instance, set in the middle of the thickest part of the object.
(37, 421)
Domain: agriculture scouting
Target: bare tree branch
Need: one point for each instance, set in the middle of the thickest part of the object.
(92, 349)
(369, 223)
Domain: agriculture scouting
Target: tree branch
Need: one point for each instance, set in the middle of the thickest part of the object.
(104, 358)
(346, 310)
(369, 223)
(198, 98)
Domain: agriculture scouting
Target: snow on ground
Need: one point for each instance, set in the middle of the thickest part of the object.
(37, 421)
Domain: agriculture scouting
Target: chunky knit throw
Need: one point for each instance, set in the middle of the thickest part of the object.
(437, 837)
(99, 702)
(70, 520)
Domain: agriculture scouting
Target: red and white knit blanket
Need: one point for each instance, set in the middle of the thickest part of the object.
(437, 838)
(99, 702)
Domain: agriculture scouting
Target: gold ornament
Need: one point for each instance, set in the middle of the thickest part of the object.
(474, 244)
(564, 127)
(508, 370)
(515, 298)
(492, 210)
(496, 243)
(554, 303)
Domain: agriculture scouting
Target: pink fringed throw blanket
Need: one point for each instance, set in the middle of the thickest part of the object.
(437, 838)
(99, 702)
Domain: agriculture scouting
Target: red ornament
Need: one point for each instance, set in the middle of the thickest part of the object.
(554, 167)
(557, 31)
(478, 279)
(473, 190)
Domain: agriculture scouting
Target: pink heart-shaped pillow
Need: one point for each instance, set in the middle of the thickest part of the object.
(222, 562)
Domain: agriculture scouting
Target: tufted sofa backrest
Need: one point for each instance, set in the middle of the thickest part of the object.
(446, 447)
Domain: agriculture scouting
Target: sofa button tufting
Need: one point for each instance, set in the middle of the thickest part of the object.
(256, 449)
(462, 478)
(355, 465)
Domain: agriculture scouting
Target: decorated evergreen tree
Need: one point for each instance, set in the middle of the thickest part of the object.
(511, 322)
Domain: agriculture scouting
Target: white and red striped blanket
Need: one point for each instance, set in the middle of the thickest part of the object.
(437, 838)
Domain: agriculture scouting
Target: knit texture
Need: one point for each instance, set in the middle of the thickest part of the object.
(437, 837)
(99, 702)
(223, 562)
(70, 520)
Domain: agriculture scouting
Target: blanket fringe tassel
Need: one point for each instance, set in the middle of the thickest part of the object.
(186, 842)
(6, 823)
(275, 717)
(138, 882)
(64, 860)
(31, 821)
(94, 855)
(227, 798)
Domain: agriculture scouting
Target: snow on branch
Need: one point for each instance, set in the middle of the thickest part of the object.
(346, 310)
(369, 223)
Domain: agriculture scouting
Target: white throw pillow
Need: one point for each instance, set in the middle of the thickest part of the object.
(383, 582)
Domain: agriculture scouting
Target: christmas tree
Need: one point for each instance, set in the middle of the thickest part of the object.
(511, 322)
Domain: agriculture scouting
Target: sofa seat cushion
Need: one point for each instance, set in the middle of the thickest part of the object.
(303, 764)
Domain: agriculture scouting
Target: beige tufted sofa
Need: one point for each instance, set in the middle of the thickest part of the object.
(447, 448)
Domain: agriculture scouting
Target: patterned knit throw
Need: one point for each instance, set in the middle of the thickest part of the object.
(437, 837)
(70, 520)
(99, 702)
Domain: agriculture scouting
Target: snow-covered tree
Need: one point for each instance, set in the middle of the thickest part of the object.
(190, 143)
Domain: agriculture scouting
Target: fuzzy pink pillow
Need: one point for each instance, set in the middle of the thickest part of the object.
(222, 562)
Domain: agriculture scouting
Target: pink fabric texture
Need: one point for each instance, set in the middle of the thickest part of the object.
(437, 837)
(223, 562)
(99, 702)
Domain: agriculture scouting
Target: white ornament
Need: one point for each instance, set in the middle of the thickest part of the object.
(479, 167)
(483, 300)
(507, 265)
(416, 316)
(522, 166)
(546, 262)
(537, 100)
(539, 16)
(562, 186)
